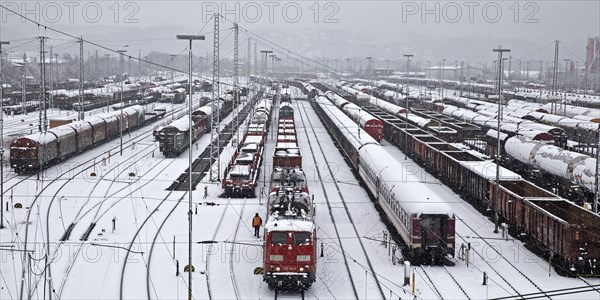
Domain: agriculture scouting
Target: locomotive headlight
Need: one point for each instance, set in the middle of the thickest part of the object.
(278, 269)
(301, 269)
(290, 247)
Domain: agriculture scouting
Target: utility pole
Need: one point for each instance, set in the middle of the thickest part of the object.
(2, 140)
(273, 57)
(255, 59)
(50, 84)
(215, 162)
(96, 70)
(23, 95)
(510, 68)
(442, 82)
(190, 38)
(81, 112)
(173, 65)
(567, 60)
(408, 56)
(121, 77)
(266, 53)
(43, 116)
(248, 60)
(596, 175)
(107, 56)
(496, 217)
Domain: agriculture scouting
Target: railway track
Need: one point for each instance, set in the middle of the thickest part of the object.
(341, 218)
(442, 275)
(503, 258)
(60, 177)
(199, 167)
(232, 254)
(98, 216)
(37, 198)
(209, 253)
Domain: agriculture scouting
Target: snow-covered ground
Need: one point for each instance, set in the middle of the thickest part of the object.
(138, 259)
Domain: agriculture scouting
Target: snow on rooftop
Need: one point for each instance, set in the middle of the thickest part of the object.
(289, 225)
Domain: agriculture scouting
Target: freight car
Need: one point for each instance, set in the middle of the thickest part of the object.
(570, 174)
(242, 172)
(425, 224)
(174, 138)
(37, 151)
(551, 226)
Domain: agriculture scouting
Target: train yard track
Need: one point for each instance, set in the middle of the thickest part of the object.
(200, 166)
(77, 169)
(209, 253)
(442, 274)
(340, 218)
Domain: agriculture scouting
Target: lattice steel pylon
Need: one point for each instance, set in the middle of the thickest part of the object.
(43, 116)
(236, 95)
(215, 162)
(81, 113)
(555, 66)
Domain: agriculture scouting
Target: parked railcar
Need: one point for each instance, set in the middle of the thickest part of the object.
(242, 172)
(372, 125)
(545, 221)
(174, 138)
(426, 228)
(34, 152)
(290, 251)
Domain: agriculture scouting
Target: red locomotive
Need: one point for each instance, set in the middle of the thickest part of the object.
(290, 233)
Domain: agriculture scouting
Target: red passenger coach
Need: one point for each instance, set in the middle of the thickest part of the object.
(372, 125)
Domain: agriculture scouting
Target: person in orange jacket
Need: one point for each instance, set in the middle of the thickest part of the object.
(256, 223)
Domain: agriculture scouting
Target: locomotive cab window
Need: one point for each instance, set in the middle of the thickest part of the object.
(301, 238)
(279, 238)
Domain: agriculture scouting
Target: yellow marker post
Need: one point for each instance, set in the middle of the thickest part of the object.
(413, 282)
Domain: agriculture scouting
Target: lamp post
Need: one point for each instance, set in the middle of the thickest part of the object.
(265, 52)
(408, 56)
(567, 60)
(190, 38)
(121, 52)
(442, 81)
(1, 140)
(500, 51)
(273, 57)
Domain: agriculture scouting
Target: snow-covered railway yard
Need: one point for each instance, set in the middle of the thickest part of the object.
(119, 233)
